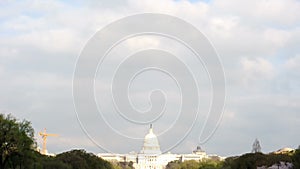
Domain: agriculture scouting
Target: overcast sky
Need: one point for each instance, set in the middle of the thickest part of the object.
(257, 41)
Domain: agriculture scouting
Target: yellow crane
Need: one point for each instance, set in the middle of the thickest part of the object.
(44, 135)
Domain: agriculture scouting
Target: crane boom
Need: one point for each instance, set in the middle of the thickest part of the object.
(44, 136)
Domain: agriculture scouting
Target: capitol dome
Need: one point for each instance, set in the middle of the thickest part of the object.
(151, 144)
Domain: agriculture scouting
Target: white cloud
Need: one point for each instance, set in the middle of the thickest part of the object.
(142, 42)
(293, 64)
(257, 68)
(229, 115)
(262, 12)
(276, 38)
(280, 11)
(183, 9)
(51, 41)
(224, 26)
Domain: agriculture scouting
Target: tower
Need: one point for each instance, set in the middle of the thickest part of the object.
(256, 148)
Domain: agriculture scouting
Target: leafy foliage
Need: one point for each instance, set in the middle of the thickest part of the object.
(74, 159)
(210, 164)
(16, 143)
(79, 159)
(296, 159)
(254, 160)
(123, 165)
(245, 161)
(192, 164)
(17, 151)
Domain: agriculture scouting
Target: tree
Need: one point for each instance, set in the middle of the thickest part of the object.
(79, 159)
(173, 165)
(53, 163)
(192, 164)
(210, 164)
(254, 160)
(296, 159)
(16, 142)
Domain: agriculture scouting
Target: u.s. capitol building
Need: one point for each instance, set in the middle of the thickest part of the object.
(151, 157)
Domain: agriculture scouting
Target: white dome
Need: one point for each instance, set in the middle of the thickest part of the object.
(151, 144)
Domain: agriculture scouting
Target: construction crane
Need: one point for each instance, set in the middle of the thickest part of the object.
(44, 135)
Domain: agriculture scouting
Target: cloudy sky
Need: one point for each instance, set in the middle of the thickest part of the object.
(256, 42)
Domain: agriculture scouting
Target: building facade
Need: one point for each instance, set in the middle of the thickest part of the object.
(151, 157)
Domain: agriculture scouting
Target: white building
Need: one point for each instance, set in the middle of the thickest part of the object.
(151, 157)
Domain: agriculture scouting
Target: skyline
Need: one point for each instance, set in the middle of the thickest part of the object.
(257, 42)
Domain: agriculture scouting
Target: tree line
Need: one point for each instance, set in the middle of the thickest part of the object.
(245, 161)
(18, 151)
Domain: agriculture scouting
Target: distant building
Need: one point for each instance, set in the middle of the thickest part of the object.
(285, 150)
(151, 157)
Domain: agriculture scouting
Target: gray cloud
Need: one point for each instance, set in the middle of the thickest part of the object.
(258, 43)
